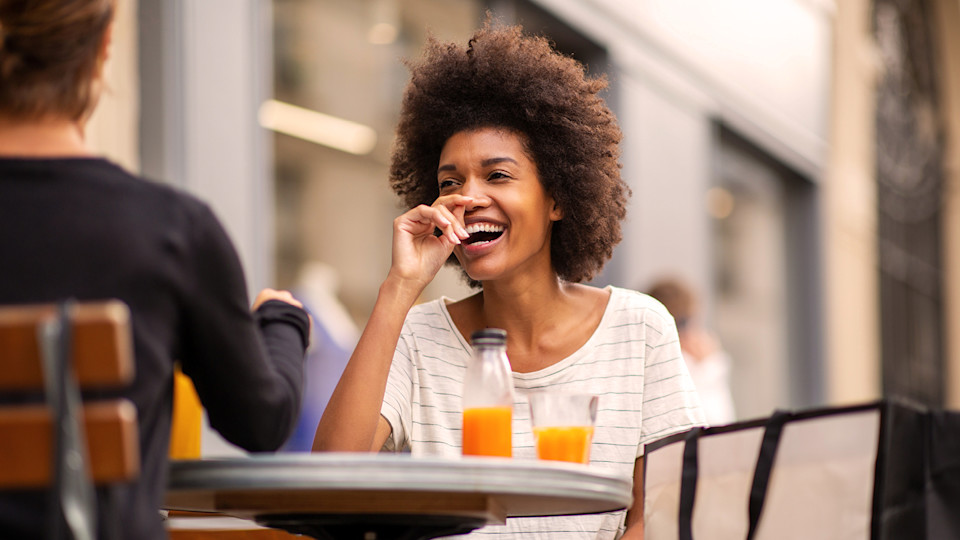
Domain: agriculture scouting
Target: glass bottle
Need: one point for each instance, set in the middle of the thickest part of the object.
(488, 397)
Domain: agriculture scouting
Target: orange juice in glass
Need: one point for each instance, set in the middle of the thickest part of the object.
(563, 425)
(487, 431)
(564, 443)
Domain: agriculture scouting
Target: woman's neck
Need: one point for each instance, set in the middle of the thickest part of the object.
(505, 301)
(42, 138)
(545, 322)
(525, 310)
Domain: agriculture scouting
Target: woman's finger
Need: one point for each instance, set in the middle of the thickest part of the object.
(441, 218)
(429, 218)
(456, 204)
(454, 230)
(451, 201)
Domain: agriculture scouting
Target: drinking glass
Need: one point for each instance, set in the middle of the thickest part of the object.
(563, 425)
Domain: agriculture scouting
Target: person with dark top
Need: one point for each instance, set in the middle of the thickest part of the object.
(73, 225)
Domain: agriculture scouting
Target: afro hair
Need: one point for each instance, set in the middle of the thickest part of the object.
(506, 79)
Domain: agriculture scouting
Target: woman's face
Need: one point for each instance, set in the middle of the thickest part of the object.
(511, 215)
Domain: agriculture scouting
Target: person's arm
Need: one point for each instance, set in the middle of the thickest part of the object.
(352, 420)
(247, 367)
(634, 521)
(273, 294)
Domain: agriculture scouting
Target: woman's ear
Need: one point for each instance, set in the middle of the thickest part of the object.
(556, 213)
(105, 46)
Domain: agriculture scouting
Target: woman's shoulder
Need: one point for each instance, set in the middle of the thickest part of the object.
(635, 304)
(428, 325)
(428, 317)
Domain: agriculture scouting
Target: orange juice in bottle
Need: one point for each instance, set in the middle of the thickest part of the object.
(488, 397)
(487, 431)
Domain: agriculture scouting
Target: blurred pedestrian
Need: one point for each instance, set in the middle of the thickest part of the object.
(708, 363)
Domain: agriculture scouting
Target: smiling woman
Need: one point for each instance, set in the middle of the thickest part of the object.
(506, 149)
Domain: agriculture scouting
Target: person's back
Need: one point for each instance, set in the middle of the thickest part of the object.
(76, 226)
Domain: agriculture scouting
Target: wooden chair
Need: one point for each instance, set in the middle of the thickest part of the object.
(50, 438)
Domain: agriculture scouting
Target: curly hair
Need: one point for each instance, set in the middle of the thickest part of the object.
(505, 79)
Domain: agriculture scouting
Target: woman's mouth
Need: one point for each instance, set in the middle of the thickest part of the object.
(482, 233)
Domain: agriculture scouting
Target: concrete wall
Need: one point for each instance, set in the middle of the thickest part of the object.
(205, 70)
(850, 210)
(948, 17)
(113, 128)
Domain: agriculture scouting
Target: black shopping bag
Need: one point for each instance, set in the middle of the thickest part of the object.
(881, 471)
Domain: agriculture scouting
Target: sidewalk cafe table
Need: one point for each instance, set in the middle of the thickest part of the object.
(381, 497)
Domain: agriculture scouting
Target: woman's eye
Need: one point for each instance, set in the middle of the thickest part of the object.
(444, 184)
(497, 175)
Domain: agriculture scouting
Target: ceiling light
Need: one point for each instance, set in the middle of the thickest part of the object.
(317, 127)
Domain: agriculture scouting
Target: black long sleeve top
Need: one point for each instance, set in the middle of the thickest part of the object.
(84, 228)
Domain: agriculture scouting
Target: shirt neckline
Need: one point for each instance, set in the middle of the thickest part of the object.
(75, 164)
(615, 293)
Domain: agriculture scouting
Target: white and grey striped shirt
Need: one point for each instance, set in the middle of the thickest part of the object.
(632, 361)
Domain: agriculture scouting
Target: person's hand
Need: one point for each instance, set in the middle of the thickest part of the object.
(283, 296)
(417, 253)
(272, 294)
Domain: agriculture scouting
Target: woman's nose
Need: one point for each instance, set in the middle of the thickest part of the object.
(474, 190)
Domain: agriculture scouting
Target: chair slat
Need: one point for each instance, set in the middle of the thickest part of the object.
(101, 343)
(26, 432)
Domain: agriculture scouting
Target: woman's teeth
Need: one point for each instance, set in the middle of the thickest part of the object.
(483, 227)
(481, 233)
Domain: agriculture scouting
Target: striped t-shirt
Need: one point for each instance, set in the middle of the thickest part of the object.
(632, 361)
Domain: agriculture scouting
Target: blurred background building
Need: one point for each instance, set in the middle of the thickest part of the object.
(796, 161)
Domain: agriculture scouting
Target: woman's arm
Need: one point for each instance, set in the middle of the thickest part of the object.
(635, 512)
(247, 367)
(352, 421)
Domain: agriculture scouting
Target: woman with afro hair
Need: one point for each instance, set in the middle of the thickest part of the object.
(508, 160)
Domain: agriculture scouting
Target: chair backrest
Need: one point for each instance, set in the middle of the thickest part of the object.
(100, 356)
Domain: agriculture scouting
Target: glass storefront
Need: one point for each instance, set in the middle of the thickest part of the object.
(344, 59)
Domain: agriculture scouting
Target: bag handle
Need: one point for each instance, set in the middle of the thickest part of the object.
(688, 483)
(765, 460)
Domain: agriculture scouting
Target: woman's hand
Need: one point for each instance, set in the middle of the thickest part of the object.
(417, 253)
(351, 421)
(271, 294)
(283, 296)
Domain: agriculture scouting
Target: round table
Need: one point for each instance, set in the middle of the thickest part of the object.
(377, 496)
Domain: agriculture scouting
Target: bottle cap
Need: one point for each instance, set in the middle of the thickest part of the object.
(489, 336)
